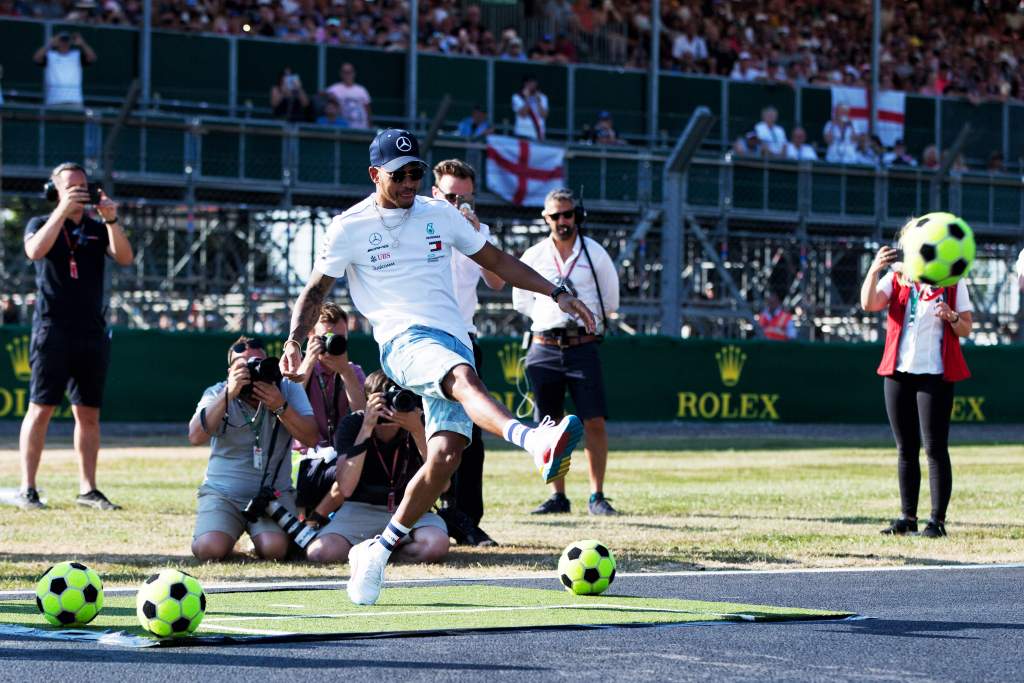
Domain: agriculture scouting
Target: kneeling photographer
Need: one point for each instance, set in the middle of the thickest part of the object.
(249, 420)
(379, 451)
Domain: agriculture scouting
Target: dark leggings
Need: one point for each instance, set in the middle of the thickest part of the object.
(916, 405)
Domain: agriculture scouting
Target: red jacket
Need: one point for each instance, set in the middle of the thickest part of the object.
(954, 367)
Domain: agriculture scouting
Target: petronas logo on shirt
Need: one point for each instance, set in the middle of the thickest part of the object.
(430, 229)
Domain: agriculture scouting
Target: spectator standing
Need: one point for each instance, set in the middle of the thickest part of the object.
(744, 69)
(63, 59)
(332, 115)
(770, 133)
(353, 98)
(798, 149)
(288, 99)
(840, 136)
(898, 156)
(531, 108)
(476, 125)
(689, 43)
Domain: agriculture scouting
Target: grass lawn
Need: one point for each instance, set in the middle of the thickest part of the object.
(687, 506)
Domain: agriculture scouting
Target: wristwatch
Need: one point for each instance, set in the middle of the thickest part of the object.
(559, 291)
(113, 220)
(280, 411)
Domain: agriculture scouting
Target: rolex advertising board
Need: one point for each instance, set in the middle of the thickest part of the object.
(159, 377)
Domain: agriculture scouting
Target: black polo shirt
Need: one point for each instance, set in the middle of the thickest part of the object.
(381, 468)
(63, 300)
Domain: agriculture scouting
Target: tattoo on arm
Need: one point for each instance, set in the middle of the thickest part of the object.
(307, 307)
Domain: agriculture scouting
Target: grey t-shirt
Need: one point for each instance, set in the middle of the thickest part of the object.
(231, 471)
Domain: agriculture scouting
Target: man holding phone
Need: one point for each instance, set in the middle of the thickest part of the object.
(63, 59)
(70, 347)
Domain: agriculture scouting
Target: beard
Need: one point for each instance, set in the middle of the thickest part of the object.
(565, 232)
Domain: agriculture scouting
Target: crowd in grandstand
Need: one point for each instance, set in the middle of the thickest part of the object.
(931, 47)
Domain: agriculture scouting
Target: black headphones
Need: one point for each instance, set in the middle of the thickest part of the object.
(50, 188)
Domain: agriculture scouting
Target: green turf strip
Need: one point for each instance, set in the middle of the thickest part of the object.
(402, 610)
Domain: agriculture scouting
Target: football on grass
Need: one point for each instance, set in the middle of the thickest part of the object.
(69, 594)
(938, 249)
(170, 603)
(586, 567)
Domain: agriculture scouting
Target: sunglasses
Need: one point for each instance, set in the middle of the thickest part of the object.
(400, 175)
(456, 199)
(240, 347)
(571, 213)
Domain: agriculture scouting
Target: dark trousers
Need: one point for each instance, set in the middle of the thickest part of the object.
(467, 490)
(916, 405)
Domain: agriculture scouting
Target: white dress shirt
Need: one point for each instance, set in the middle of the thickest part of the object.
(772, 137)
(466, 274)
(802, 153)
(545, 259)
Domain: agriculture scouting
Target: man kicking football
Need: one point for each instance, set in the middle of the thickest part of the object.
(395, 248)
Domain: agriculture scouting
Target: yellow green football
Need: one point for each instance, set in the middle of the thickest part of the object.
(586, 567)
(69, 594)
(938, 249)
(170, 603)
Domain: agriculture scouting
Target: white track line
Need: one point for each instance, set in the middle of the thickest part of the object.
(252, 631)
(317, 584)
(477, 610)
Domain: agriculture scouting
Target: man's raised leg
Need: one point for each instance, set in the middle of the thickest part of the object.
(551, 444)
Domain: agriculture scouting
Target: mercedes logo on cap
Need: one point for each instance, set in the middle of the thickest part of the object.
(403, 144)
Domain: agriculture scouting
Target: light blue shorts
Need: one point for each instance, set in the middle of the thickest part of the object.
(419, 359)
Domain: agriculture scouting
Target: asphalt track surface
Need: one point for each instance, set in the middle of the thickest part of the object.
(937, 624)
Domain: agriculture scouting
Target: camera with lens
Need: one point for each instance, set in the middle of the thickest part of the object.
(262, 370)
(401, 400)
(334, 344)
(265, 503)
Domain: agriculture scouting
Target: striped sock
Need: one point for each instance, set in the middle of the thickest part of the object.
(392, 536)
(515, 433)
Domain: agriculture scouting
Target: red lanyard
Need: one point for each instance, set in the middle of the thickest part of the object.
(563, 278)
(391, 474)
(72, 263)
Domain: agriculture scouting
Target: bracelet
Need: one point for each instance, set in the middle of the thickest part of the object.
(321, 520)
(113, 220)
(292, 341)
(280, 411)
(954, 322)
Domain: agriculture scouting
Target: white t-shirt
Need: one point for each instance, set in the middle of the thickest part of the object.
(684, 45)
(921, 342)
(772, 137)
(353, 100)
(63, 77)
(802, 153)
(525, 127)
(545, 259)
(1020, 270)
(466, 274)
(396, 287)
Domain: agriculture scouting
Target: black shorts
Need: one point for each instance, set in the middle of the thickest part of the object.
(64, 360)
(551, 370)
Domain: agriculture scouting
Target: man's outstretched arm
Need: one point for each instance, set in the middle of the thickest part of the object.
(520, 275)
(304, 317)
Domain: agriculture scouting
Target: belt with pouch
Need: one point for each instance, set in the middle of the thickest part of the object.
(563, 337)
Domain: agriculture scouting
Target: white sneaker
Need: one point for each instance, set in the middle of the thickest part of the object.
(367, 567)
(552, 444)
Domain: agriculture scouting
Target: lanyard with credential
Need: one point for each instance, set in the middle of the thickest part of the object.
(914, 297)
(330, 404)
(256, 425)
(564, 279)
(391, 474)
(72, 263)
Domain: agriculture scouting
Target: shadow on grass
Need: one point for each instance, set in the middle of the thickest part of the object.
(194, 658)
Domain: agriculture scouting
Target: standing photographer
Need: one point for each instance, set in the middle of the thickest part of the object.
(380, 449)
(249, 421)
(70, 347)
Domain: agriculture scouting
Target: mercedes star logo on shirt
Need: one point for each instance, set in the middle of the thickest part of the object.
(403, 144)
(376, 238)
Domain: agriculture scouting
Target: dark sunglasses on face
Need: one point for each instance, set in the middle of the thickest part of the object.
(240, 347)
(457, 199)
(571, 213)
(400, 175)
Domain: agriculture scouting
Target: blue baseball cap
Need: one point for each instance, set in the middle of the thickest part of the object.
(393, 148)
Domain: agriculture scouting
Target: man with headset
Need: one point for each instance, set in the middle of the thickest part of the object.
(70, 347)
(562, 355)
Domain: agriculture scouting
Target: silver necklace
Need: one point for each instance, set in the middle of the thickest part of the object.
(390, 228)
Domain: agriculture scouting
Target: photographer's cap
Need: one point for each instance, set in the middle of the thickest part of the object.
(393, 148)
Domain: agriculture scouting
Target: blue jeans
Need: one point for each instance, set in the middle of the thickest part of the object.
(419, 359)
